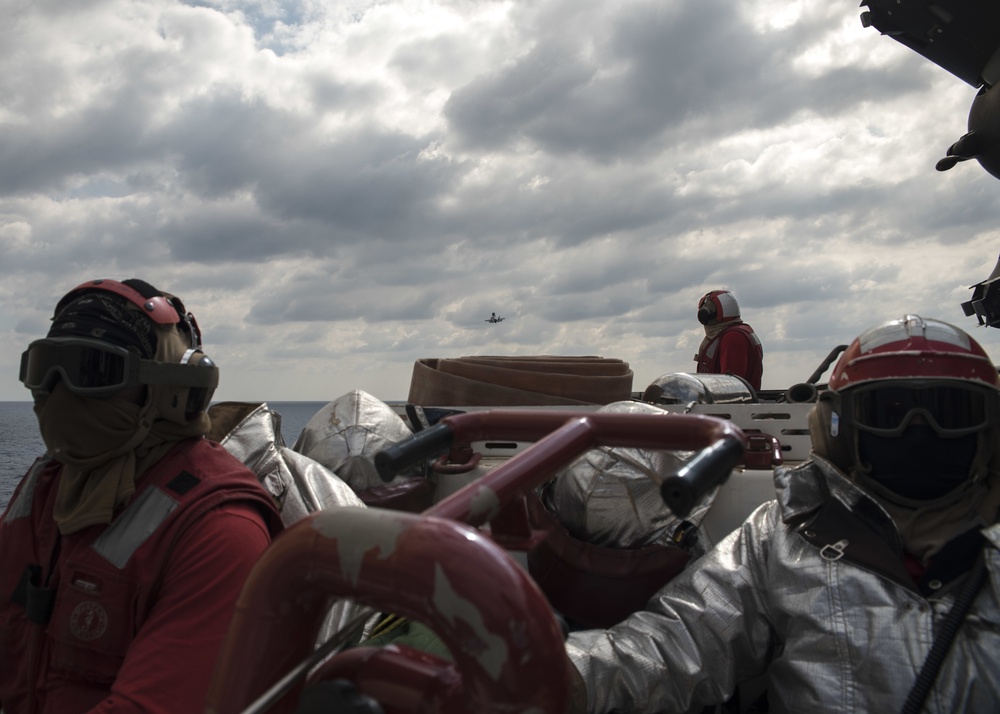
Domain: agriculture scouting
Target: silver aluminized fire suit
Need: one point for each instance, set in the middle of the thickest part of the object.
(811, 589)
(251, 432)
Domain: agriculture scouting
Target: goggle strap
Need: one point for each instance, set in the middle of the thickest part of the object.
(178, 375)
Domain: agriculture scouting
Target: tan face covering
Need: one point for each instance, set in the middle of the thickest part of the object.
(106, 444)
(923, 527)
(712, 329)
(926, 529)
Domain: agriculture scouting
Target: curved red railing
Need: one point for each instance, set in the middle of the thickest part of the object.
(436, 568)
(507, 645)
(561, 436)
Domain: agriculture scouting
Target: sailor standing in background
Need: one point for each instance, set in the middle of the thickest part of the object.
(730, 345)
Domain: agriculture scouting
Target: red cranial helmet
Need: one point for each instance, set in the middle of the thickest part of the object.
(912, 407)
(718, 306)
(108, 335)
(913, 347)
(161, 308)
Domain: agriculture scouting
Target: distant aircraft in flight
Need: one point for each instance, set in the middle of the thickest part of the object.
(494, 318)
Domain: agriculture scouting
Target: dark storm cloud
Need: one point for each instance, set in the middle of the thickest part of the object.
(45, 155)
(595, 304)
(340, 294)
(369, 183)
(236, 233)
(374, 182)
(611, 266)
(573, 202)
(365, 181)
(698, 66)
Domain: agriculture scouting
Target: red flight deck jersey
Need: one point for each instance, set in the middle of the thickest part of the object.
(735, 350)
(128, 616)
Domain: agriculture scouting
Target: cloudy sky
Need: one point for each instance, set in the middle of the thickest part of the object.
(339, 188)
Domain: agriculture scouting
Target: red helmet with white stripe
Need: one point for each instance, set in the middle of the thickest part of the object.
(718, 306)
(913, 348)
(912, 411)
(161, 308)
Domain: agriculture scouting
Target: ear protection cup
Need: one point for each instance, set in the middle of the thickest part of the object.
(706, 313)
(189, 394)
(198, 398)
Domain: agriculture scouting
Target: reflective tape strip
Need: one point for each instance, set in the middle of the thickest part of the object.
(730, 308)
(134, 526)
(21, 508)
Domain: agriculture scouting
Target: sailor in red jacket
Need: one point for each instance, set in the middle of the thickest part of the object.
(730, 345)
(124, 548)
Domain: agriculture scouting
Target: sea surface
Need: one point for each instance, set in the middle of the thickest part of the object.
(20, 442)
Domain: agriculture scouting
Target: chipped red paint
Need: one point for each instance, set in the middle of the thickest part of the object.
(436, 568)
(442, 573)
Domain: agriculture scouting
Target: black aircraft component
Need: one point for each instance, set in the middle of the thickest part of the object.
(963, 37)
(985, 302)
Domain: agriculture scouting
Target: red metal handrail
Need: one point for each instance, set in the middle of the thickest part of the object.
(484, 607)
(437, 569)
(561, 436)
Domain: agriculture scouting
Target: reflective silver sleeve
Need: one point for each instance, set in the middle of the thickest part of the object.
(702, 634)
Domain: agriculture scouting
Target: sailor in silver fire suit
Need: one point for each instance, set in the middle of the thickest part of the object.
(839, 588)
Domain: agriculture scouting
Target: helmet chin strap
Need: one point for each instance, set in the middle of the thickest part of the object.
(925, 526)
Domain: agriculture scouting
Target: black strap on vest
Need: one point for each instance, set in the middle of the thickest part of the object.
(37, 601)
(946, 635)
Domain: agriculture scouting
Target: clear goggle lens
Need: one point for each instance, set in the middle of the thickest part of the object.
(951, 410)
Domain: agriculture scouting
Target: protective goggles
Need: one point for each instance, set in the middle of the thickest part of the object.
(951, 409)
(92, 368)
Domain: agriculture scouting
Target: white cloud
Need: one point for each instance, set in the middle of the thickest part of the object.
(338, 189)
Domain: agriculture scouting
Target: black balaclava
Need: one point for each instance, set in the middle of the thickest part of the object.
(918, 464)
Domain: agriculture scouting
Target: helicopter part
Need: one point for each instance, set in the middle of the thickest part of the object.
(982, 142)
(963, 37)
(985, 302)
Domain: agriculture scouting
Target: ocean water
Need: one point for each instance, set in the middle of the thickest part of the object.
(20, 442)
